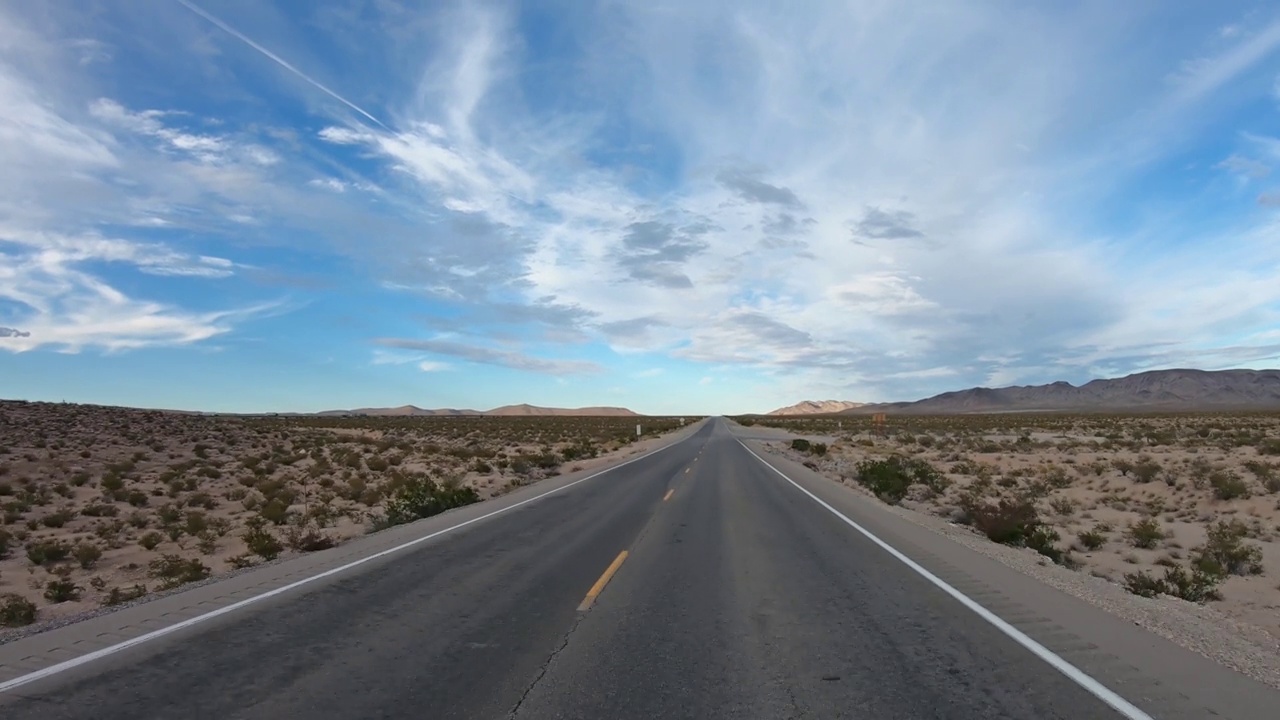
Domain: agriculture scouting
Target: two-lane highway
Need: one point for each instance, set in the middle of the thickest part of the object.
(693, 583)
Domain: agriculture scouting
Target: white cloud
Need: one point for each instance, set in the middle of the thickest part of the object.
(432, 366)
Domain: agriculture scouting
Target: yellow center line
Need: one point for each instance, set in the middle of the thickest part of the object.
(604, 580)
(668, 495)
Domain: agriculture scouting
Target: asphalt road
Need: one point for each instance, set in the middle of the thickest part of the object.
(740, 597)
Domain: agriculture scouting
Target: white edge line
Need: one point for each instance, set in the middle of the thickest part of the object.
(1075, 674)
(154, 634)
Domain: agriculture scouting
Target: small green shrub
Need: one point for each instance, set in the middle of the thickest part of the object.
(1228, 485)
(61, 590)
(421, 497)
(1146, 533)
(890, 479)
(262, 543)
(1009, 522)
(151, 540)
(1226, 553)
(16, 611)
(1195, 586)
(87, 554)
(48, 552)
(174, 570)
(118, 596)
(1092, 539)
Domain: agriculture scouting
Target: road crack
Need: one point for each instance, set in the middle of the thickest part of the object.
(542, 671)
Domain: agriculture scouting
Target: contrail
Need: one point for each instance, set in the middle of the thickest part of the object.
(279, 60)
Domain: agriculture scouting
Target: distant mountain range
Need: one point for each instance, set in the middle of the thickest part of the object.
(1156, 390)
(504, 411)
(817, 407)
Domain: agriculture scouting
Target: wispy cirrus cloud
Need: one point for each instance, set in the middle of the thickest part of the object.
(491, 356)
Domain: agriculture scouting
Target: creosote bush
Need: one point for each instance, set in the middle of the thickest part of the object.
(16, 611)
(420, 497)
(892, 478)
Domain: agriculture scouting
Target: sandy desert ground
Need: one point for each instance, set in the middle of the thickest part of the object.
(100, 505)
(1183, 505)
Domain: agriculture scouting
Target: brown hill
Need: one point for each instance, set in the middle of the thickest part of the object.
(522, 409)
(816, 407)
(1170, 390)
(504, 411)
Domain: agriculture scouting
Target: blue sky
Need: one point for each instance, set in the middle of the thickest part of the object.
(680, 207)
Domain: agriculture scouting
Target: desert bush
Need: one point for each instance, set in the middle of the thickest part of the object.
(100, 510)
(58, 519)
(421, 497)
(1195, 586)
(1124, 466)
(1146, 533)
(1146, 470)
(1226, 553)
(274, 512)
(1009, 522)
(800, 444)
(307, 539)
(61, 590)
(892, 478)
(261, 542)
(6, 540)
(1092, 539)
(16, 611)
(151, 540)
(118, 596)
(1228, 485)
(1265, 473)
(87, 554)
(1062, 505)
(48, 552)
(1269, 446)
(1043, 540)
(174, 570)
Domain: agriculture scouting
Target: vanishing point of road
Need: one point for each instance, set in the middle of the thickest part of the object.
(693, 582)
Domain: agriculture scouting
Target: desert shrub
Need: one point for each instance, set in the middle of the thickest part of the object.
(118, 596)
(48, 552)
(58, 519)
(6, 539)
(1146, 533)
(274, 512)
(1265, 473)
(421, 497)
(1009, 522)
(1092, 539)
(800, 444)
(1124, 466)
(61, 590)
(1195, 586)
(16, 611)
(1269, 446)
(1226, 553)
(890, 479)
(1228, 485)
(376, 463)
(262, 543)
(1146, 470)
(87, 554)
(174, 570)
(137, 498)
(1043, 540)
(151, 540)
(100, 510)
(1062, 505)
(307, 539)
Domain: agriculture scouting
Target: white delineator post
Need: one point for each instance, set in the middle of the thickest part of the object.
(637, 429)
